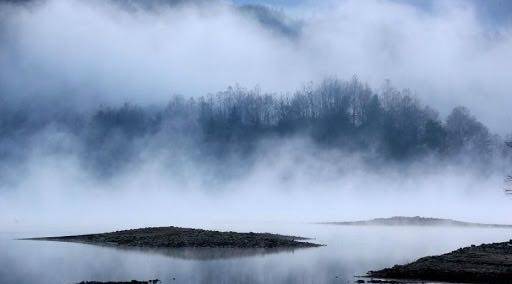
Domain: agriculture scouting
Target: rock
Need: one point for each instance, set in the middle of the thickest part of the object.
(174, 237)
(487, 263)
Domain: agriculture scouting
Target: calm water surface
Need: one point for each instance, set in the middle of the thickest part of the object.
(349, 251)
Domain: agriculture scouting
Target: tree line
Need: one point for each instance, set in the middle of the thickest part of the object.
(335, 114)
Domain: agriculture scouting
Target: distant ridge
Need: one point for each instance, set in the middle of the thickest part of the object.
(416, 221)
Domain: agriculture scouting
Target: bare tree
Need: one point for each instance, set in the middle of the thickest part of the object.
(508, 179)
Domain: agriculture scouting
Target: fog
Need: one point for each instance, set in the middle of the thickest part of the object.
(77, 55)
(293, 183)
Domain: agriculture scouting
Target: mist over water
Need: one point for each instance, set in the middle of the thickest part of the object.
(289, 184)
(243, 116)
(350, 251)
(64, 60)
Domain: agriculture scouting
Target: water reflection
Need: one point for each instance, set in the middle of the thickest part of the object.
(349, 251)
(215, 253)
(207, 253)
(191, 253)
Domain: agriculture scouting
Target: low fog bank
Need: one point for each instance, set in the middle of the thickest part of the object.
(293, 182)
(94, 52)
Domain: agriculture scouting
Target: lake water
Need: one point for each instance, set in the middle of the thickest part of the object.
(349, 251)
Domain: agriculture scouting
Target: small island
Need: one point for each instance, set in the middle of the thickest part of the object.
(487, 263)
(175, 237)
(416, 221)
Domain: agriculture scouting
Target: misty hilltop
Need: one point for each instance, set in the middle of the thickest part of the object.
(338, 115)
(251, 116)
(417, 221)
(333, 99)
(270, 18)
(138, 53)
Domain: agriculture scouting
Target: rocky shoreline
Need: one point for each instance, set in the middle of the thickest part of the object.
(175, 237)
(487, 263)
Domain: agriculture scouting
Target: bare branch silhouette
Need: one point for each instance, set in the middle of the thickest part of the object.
(508, 179)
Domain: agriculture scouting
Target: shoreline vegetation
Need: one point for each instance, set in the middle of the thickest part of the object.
(416, 221)
(383, 127)
(175, 237)
(486, 263)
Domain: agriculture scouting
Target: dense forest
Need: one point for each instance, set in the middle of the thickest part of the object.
(335, 114)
